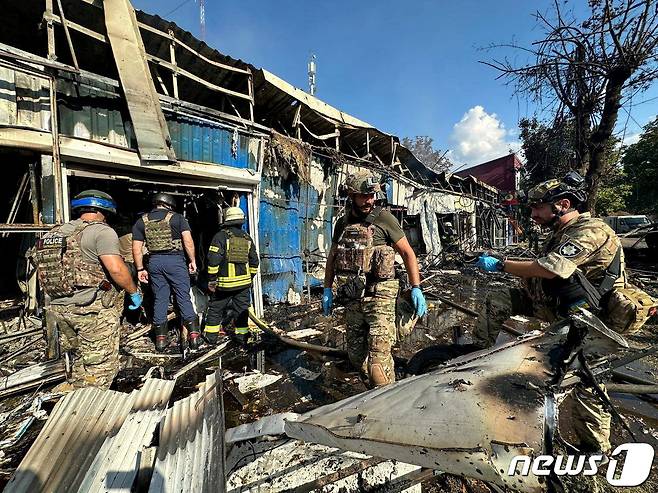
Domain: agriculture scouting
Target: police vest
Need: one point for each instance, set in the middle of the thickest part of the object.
(159, 235)
(234, 272)
(357, 255)
(61, 266)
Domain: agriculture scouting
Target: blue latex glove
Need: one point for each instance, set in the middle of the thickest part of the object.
(327, 300)
(488, 263)
(136, 299)
(418, 299)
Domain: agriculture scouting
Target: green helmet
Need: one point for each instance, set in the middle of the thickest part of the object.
(92, 201)
(362, 181)
(549, 191)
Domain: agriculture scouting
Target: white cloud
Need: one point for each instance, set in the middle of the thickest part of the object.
(479, 137)
(631, 139)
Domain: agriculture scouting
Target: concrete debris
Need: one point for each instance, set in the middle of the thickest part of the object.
(303, 333)
(300, 465)
(256, 380)
(302, 372)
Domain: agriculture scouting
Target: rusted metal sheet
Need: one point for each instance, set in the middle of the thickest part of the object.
(191, 453)
(149, 123)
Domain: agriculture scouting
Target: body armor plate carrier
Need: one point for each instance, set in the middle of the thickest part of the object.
(237, 248)
(358, 262)
(158, 234)
(60, 264)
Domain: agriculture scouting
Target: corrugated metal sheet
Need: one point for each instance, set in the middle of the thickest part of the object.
(114, 468)
(83, 114)
(295, 217)
(190, 452)
(83, 425)
(280, 239)
(24, 100)
(200, 141)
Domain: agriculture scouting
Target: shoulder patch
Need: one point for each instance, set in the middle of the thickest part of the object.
(570, 249)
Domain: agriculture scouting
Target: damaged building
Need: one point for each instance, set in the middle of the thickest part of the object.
(94, 94)
(132, 104)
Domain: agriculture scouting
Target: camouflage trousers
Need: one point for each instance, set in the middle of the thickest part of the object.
(91, 334)
(592, 420)
(371, 332)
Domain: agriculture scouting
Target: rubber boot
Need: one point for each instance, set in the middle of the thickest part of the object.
(161, 337)
(193, 334)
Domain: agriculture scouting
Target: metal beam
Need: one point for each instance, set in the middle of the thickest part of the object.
(153, 139)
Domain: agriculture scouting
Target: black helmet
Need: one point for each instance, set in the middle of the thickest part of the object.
(572, 186)
(164, 198)
(93, 201)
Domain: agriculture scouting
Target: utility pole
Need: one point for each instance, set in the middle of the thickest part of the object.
(311, 74)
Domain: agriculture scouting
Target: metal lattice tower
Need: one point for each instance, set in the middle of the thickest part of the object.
(202, 18)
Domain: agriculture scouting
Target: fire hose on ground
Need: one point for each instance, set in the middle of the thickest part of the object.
(339, 353)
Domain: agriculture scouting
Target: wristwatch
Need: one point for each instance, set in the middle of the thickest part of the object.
(140, 270)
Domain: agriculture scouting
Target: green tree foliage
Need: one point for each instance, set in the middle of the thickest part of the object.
(549, 150)
(614, 192)
(641, 166)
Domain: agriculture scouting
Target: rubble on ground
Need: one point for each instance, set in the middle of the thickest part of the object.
(293, 380)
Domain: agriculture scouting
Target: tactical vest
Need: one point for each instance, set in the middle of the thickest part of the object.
(357, 255)
(60, 265)
(234, 273)
(159, 235)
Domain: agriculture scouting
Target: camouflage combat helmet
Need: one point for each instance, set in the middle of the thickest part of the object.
(362, 181)
(571, 186)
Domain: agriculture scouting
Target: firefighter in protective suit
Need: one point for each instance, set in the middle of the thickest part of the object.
(168, 239)
(232, 265)
(581, 264)
(80, 268)
(361, 257)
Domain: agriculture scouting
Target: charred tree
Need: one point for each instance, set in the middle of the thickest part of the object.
(585, 71)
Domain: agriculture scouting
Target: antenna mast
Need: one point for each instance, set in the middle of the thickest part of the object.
(311, 74)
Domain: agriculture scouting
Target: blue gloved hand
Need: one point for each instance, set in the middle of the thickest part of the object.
(136, 299)
(327, 300)
(418, 299)
(489, 263)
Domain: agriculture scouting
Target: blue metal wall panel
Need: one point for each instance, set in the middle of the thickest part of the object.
(199, 141)
(280, 239)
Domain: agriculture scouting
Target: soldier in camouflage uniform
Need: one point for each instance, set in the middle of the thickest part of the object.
(362, 257)
(578, 247)
(81, 269)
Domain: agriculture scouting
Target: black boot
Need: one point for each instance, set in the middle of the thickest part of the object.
(193, 334)
(161, 337)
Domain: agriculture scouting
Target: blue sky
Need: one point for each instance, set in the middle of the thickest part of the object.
(408, 68)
